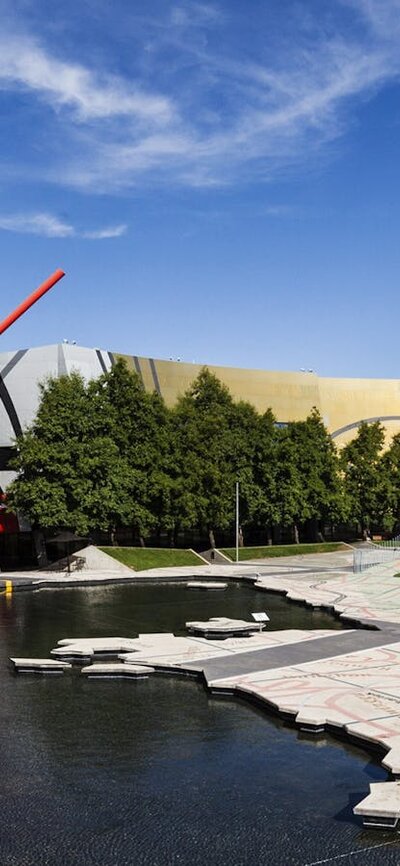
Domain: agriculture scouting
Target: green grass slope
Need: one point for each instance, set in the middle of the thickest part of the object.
(283, 550)
(141, 558)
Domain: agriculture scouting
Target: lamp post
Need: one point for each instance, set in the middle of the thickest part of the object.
(237, 521)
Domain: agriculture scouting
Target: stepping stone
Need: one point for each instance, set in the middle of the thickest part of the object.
(211, 585)
(117, 669)
(381, 808)
(39, 666)
(82, 649)
(222, 627)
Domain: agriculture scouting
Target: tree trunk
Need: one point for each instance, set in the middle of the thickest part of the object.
(176, 534)
(141, 541)
(241, 537)
(113, 540)
(211, 538)
(269, 535)
(40, 548)
(296, 533)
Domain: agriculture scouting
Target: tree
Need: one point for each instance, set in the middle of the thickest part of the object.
(214, 445)
(139, 425)
(366, 481)
(69, 468)
(308, 477)
(266, 458)
(108, 454)
(389, 494)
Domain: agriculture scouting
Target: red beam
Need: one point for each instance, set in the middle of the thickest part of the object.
(31, 299)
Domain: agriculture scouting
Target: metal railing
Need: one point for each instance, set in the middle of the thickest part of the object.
(393, 543)
(364, 558)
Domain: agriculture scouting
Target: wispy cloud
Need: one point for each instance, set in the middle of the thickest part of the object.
(92, 95)
(43, 224)
(204, 115)
(110, 232)
(50, 226)
(382, 16)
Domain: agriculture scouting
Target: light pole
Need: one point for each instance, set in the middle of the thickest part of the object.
(237, 521)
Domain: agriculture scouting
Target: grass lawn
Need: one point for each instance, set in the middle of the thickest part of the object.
(140, 558)
(283, 550)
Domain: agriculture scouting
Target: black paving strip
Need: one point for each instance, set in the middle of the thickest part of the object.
(296, 653)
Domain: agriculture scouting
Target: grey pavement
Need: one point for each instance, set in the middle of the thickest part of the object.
(294, 654)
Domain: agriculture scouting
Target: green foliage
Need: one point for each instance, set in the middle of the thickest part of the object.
(70, 471)
(308, 473)
(107, 453)
(215, 442)
(140, 425)
(367, 476)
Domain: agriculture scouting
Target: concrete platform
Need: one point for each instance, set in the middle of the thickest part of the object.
(86, 648)
(39, 666)
(221, 627)
(212, 586)
(381, 808)
(117, 669)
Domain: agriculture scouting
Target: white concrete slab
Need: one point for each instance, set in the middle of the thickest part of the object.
(220, 626)
(382, 802)
(211, 586)
(117, 669)
(42, 666)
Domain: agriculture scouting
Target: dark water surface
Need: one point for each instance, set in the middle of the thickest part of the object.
(119, 773)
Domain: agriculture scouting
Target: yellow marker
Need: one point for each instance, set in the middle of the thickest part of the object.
(9, 587)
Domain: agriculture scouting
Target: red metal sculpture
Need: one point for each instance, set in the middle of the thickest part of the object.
(31, 299)
(9, 521)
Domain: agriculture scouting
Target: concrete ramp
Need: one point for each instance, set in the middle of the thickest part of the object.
(97, 560)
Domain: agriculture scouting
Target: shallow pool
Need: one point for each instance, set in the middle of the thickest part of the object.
(119, 773)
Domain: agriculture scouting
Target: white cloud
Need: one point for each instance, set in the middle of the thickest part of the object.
(50, 226)
(92, 95)
(195, 14)
(110, 232)
(222, 114)
(382, 16)
(43, 224)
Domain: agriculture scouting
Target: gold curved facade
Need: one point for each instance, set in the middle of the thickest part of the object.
(343, 403)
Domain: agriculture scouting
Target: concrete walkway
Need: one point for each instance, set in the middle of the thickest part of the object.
(297, 653)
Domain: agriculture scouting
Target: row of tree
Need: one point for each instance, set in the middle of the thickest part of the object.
(107, 454)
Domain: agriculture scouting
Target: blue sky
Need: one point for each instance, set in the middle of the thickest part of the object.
(220, 181)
